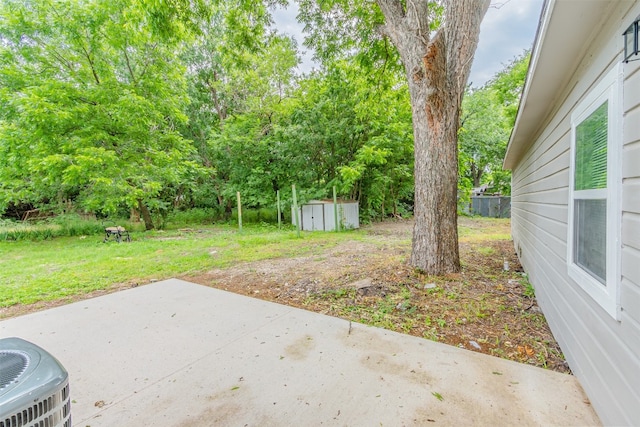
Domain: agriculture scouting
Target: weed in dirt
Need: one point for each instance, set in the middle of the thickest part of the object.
(430, 334)
(486, 250)
(529, 291)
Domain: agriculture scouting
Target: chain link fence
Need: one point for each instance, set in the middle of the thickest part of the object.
(491, 206)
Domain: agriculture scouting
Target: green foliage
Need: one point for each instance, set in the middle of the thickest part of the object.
(488, 115)
(74, 225)
(238, 96)
(358, 140)
(258, 216)
(483, 137)
(529, 290)
(171, 105)
(94, 102)
(259, 129)
(508, 85)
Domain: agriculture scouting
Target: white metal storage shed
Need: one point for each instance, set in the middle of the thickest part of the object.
(318, 215)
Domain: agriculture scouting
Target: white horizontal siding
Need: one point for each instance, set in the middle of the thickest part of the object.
(557, 179)
(629, 335)
(553, 232)
(537, 162)
(630, 230)
(631, 196)
(631, 262)
(629, 290)
(631, 151)
(602, 352)
(631, 86)
(630, 295)
(557, 196)
(545, 210)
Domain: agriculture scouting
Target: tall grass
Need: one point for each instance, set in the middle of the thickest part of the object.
(60, 226)
(70, 225)
(259, 216)
(208, 216)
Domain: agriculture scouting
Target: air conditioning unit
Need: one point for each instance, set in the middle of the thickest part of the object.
(34, 387)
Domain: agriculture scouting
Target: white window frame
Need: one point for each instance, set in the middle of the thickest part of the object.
(608, 89)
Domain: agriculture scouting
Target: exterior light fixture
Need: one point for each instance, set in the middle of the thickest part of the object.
(631, 41)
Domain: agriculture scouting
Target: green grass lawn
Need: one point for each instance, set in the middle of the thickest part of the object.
(475, 229)
(66, 266)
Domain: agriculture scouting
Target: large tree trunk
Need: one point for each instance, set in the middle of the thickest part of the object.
(146, 215)
(437, 71)
(435, 232)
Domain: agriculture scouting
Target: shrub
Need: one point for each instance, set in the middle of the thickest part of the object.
(192, 216)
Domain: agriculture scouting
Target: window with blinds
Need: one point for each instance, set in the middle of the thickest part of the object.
(590, 194)
(593, 231)
(591, 151)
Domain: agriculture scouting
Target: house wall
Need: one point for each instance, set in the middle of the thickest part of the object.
(604, 353)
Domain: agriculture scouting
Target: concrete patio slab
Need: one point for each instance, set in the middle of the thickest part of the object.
(178, 354)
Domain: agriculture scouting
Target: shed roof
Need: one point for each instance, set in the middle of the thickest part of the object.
(565, 31)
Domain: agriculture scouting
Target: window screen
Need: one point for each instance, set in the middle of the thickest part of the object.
(590, 213)
(590, 237)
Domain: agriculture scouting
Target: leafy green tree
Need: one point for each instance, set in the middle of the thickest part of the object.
(92, 101)
(488, 115)
(238, 89)
(483, 134)
(508, 84)
(338, 132)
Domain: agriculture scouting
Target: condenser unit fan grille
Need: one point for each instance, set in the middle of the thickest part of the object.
(12, 365)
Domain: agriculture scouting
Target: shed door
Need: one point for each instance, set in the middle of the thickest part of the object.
(312, 217)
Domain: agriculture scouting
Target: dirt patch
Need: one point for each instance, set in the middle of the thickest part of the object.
(485, 308)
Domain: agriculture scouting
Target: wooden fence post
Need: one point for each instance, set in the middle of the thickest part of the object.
(239, 212)
(295, 208)
(335, 210)
(279, 211)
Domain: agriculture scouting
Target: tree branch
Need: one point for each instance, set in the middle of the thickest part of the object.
(393, 15)
(91, 65)
(463, 17)
(126, 58)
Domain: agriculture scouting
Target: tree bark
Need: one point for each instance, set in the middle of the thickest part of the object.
(146, 215)
(476, 174)
(437, 69)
